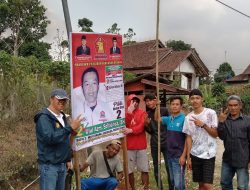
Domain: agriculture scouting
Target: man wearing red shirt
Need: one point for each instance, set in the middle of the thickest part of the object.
(136, 141)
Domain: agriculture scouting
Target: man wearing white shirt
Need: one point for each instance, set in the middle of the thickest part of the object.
(87, 101)
(200, 127)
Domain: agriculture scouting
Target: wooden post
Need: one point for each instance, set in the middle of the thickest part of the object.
(77, 170)
(125, 161)
(157, 90)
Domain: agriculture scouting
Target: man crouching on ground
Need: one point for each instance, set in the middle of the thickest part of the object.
(103, 164)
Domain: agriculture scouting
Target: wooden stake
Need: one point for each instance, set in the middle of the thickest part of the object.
(125, 161)
(77, 170)
(157, 90)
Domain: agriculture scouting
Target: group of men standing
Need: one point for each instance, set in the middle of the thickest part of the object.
(187, 141)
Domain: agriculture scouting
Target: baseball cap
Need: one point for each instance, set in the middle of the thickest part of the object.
(117, 142)
(150, 97)
(59, 94)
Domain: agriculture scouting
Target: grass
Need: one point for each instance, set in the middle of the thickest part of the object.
(18, 155)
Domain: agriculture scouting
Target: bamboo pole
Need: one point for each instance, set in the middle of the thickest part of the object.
(157, 91)
(125, 162)
(77, 170)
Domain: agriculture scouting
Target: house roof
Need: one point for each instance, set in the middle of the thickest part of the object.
(241, 77)
(142, 54)
(168, 88)
(139, 58)
(247, 70)
(164, 84)
(149, 76)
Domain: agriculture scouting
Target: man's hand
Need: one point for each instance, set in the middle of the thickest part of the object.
(197, 122)
(182, 160)
(127, 131)
(223, 115)
(76, 123)
(189, 164)
(83, 167)
(120, 176)
(131, 107)
(147, 120)
(69, 165)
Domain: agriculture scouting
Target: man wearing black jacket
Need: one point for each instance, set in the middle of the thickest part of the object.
(234, 130)
(151, 127)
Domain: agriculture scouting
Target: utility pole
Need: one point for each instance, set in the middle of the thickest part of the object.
(67, 17)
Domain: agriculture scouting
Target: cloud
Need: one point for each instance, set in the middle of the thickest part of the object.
(210, 27)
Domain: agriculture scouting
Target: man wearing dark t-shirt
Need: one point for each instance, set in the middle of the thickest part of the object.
(152, 128)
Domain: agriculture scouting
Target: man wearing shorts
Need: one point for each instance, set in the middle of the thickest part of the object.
(200, 127)
(136, 141)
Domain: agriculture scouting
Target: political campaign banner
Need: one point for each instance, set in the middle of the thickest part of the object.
(97, 87)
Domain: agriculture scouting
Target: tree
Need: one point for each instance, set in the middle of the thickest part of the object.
(25, 21)
(178, 45)
(85, 24)
(60, 50)
(224, 72)
(38, 49)
(3, 14)
(128, 36)
(114, 29)
(59, 72)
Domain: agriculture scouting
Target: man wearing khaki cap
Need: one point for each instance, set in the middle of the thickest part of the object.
(103, 166)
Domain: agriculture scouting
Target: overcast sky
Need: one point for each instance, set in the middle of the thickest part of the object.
(210, 27)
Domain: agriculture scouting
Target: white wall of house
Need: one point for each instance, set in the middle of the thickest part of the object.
(187, 67)
(196, 82)
(184, 82)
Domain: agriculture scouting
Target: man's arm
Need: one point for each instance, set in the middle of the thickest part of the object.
(138, 126)
(84, 166)
(182, 159)
(48, 135)
(157, 117)
(210, 130)
(188, 150)
(222, 125)
(148, 125)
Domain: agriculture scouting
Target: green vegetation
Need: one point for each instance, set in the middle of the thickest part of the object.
(224, 72)
(178, 45)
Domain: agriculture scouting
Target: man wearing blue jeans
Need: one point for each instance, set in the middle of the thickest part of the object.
(52, 132)
(152, 128)
(234, 130)
(176, 149)
(102, 177)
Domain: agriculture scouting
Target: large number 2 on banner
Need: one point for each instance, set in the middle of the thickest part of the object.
(118, 114)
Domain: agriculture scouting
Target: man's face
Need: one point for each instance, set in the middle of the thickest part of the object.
(196, 101)
(57, 104)
(114, 43)
(175, 106)
(90, 88)
(84, 42)
(113, 150)
(136, 102)
(234, 107)
(151, 103)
